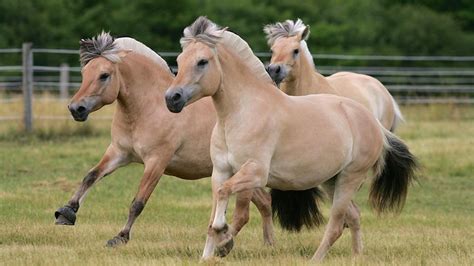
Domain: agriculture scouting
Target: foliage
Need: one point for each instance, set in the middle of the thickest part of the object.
(408, 27)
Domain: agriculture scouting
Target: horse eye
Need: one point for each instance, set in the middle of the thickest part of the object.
(104, 76)
(202, 62)
(296, 51)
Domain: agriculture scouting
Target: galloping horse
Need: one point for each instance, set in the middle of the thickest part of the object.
(143, 130)
(264, 137)
(292, 66)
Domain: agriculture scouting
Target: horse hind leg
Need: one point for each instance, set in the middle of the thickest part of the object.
(346, 185)
(353, 222)
(352, 218)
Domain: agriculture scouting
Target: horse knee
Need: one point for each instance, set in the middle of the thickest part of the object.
(90, 178)
(223, 192)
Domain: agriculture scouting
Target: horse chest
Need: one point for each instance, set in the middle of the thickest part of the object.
(234, 161)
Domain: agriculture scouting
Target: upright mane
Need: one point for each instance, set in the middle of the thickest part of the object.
(104, 45)
(286, 29)
(207, 32)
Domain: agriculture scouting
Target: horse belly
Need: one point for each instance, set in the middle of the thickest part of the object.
(190, 166)
(299, 174)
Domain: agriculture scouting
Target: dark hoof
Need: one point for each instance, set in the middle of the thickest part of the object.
(65, 216)
(116, 241)
(224, 249)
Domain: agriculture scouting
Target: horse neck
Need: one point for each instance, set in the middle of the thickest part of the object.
(143, 84)
(307, 81)
(241, 89)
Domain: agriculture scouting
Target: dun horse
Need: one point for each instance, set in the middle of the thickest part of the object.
(292, 66)
(264, 137)
(143, 130)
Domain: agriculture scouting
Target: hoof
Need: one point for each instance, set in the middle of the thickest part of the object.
(116, 241)
(223, 249)
(65, 216)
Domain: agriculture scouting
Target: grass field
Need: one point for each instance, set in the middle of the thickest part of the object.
(40, 172)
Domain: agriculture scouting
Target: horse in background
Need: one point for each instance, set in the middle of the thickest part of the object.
(143, 130)
(292, 67)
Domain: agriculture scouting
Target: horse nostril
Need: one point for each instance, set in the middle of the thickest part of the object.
(81, 109)
(277, 69)
(176, 97)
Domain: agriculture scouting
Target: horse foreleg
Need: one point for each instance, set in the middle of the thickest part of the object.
(250, 176)
(211, 239)
(153, 171)
(239, 219)
(241, 212)
(345, 187)
(262, 200)
(111, 160)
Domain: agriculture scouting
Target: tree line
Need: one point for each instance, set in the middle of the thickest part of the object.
(388, 27)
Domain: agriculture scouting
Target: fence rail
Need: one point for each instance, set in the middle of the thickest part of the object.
(440, 79)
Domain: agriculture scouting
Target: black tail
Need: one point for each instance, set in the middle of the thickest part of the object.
(390, 187)
(297, 208)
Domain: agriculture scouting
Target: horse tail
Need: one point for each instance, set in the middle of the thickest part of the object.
(394, 171)
(294, 209)
(398, 117)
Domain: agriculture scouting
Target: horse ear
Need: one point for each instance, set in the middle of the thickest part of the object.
(305, 34)
(123, 53)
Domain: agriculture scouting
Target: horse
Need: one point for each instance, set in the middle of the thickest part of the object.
(144, 131)
(264, 137)
(292, 67)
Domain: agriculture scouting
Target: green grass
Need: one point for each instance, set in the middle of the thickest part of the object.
(40, 172)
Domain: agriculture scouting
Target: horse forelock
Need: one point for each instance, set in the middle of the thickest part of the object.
(287, 28)
(104, 45)
(100, 45)
(202, 30)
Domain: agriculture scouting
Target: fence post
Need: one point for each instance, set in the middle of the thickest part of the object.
(64, 81)
(28, 86)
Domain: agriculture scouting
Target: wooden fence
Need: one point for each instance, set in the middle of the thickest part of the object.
(439, 79)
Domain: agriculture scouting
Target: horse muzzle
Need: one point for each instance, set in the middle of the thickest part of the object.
(277, 72)
(176, 99)
(80, 110)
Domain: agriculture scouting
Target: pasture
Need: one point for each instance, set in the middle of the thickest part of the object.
(40, 172)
